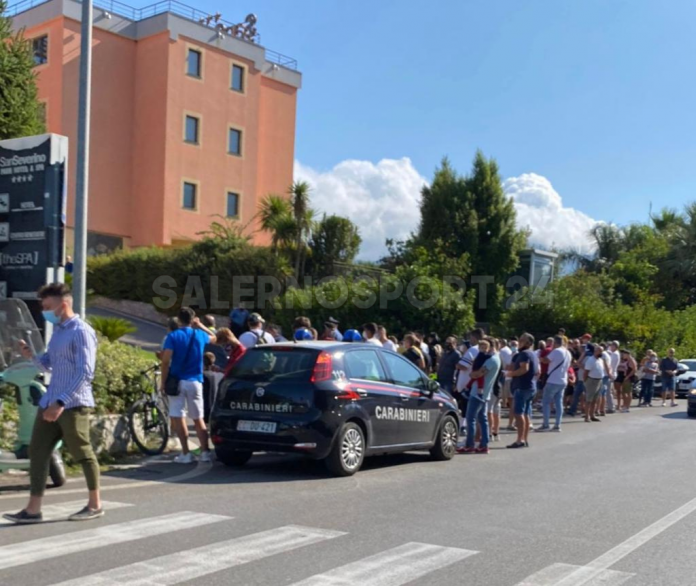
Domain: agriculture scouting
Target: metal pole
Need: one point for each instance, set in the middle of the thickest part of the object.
(82, 180)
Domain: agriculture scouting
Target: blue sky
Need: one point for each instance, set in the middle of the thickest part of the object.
(596, 96)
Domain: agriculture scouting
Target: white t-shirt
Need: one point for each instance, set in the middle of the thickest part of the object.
(389, 345)
(374, 341)
(249, 339)
(537, 365)
(505, 359)
(594, 367)
(614, 359)
(464, 376)
(559, 363)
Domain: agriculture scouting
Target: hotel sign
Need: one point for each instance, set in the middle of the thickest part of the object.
(32, 213)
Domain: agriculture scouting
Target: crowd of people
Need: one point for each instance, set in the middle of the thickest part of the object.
(557, 376)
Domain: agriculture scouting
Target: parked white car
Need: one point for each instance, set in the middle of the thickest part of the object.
(686, 379)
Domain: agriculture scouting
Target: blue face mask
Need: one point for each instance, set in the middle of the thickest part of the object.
(50, 317)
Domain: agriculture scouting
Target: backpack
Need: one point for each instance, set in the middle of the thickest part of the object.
(260, 339)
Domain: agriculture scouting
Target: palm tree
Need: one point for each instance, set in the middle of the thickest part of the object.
(304, 218)
(667, 220)
(275, 216)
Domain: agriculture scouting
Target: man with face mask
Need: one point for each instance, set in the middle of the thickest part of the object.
(447, 365)
(65, 409)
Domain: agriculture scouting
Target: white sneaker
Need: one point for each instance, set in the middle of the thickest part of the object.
(185, 458)
(206, 457)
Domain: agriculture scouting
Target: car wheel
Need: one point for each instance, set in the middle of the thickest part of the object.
(446, 445)
(348, 452)
(691, 412)
(234, 457)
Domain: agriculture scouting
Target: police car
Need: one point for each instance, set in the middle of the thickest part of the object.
(332, 401)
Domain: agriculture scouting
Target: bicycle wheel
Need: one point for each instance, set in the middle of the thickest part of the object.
(148, 426)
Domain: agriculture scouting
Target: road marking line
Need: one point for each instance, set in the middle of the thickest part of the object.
(393, 567)
(38, 550)
(62, 511)
(200, 469)
(551, 575)
(619, 552)
(195, 563)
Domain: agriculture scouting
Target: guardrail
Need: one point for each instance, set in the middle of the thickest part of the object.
(164, 6)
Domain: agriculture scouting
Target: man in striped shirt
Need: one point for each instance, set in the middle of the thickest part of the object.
(64, 410)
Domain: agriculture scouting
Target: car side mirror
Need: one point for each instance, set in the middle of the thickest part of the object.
(432, 387)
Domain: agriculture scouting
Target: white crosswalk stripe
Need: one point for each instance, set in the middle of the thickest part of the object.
(393, 567)
(37, 550)
(61, 511)
(195, 563)
(556, 573)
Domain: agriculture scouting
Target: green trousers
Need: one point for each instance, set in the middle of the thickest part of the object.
(73, 428)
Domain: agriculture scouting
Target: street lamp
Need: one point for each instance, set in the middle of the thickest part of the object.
(82, 178)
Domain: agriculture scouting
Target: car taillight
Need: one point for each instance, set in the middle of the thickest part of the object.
(323, 368)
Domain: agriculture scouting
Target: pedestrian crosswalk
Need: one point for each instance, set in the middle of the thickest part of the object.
(394, 567)
(569, 575)
(196, 563)
(398, 566)
(22, 553)
(60, 512)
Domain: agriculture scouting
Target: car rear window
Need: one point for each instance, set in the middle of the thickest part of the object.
(270, 364)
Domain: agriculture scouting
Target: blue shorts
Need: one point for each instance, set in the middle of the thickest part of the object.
(522, 402)
(668, 383)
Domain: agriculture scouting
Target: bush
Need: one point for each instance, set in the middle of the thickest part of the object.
(117, 381)
(585, 302)
(131, 274)
(451, 314)
(112, 328)
(9, 417)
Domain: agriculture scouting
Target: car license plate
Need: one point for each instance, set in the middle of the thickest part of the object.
(257, 426)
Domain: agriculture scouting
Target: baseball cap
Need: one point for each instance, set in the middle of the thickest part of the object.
(333, 321)
(256, 318)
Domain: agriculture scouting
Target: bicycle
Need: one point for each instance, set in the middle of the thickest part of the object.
(148, 417)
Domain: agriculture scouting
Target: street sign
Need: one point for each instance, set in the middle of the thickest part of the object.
(32, 213)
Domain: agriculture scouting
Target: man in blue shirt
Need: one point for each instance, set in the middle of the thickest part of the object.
(64, 411)
(522, 371)
(182, 358)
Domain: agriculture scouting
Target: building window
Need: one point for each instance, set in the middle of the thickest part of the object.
(238, 78)
(193, 63)
(40, 49)
(190, 196)
(234, 142)
(191, 129)
(232, 205)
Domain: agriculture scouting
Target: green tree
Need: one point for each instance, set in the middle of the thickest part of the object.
(20, 110)
(472, 215)
(275, 217)
(304, 217)
(334, 239)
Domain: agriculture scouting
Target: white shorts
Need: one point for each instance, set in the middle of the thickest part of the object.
(190, 398)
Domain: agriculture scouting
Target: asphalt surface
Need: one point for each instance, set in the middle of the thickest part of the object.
(600, 503)
(148, 335)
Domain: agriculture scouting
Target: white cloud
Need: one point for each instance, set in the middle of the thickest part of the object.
(540, 208)
(382, 199)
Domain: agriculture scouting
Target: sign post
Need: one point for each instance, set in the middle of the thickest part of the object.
(33, 173)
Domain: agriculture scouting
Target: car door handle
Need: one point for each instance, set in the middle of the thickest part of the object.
(404, 397)
(361, 392)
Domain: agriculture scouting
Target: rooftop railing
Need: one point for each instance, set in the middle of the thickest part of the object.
(164, 6)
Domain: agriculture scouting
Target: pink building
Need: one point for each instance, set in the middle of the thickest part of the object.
(189, 120)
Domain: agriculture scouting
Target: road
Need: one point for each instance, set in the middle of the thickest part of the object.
(148, 335)
(601, 503)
